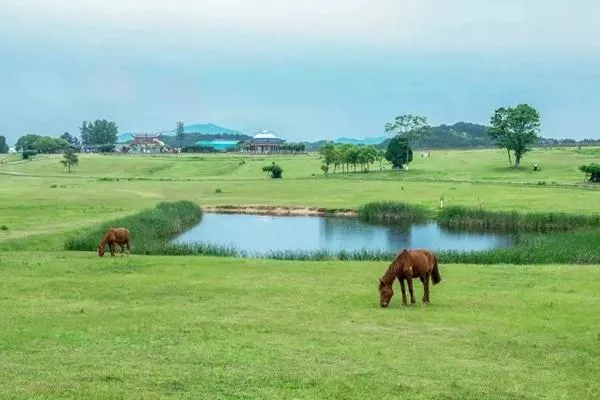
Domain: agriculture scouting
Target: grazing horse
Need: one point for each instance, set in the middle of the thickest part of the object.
(409, 264)
(114, 235)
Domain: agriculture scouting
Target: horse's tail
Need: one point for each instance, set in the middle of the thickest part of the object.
(435, 275)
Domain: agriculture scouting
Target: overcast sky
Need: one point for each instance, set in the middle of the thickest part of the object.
(306, 69)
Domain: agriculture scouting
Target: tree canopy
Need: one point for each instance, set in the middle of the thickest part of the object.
(346, 155)
(40, 144)
(100, 133)
(399, 152)
(515, 129)
(3, 145)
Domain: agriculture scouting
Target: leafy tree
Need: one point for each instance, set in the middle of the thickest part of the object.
(274, 169)
(3, 145)
(99, 133)
(40, 144)
(399, 152)
(592, 172)
(179, 133)
(327, 153)
(380, 158)
(70, 158)
(410, 127)
(72, 140)
(515, 129)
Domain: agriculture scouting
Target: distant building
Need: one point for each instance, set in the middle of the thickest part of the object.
(263, 142)
(140, 144)
(217, 145)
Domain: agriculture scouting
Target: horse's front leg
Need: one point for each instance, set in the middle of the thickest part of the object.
(403, 288)
(111, 246)
(410, 290)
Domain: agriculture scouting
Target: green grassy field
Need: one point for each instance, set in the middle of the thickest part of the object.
(73, 325)
(147, 327)
(103, 187)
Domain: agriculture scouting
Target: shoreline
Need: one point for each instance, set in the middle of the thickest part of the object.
(280, 210)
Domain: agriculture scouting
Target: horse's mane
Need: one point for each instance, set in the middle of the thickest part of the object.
(392, 271)
(104, 238)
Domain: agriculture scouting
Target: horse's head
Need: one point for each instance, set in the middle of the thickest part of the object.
(385, 293)
(100, 250)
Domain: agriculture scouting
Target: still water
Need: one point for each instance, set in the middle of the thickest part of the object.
(261, 234)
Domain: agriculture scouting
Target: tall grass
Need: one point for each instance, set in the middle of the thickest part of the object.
(392, 212)
(579, 247)
(465, 217)
(150, 230)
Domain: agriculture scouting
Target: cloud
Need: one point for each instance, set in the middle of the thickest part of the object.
(428, 25)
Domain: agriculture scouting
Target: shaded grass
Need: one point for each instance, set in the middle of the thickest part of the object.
(150, 230)
(76, 326)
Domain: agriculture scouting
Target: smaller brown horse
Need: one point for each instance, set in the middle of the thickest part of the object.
(409, 264)
(114, 235)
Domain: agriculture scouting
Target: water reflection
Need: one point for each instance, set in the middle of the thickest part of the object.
(258, 233)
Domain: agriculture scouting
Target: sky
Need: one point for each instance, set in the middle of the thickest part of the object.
(306, 69)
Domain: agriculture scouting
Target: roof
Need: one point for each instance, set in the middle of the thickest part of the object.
(265, 134)
(147, 139)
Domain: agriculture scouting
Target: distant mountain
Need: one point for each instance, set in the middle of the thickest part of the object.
(196, 132)
(205, 129)
(461, 135)
(366, 141)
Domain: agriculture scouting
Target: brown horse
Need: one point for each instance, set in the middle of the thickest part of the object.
(409, 264)
(114, 235)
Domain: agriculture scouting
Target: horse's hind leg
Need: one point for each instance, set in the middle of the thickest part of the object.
(410, 290)
(423, 280)
(426, 288)
(122, 248)
(128, 249)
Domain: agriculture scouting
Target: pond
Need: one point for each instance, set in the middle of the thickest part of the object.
(259, 234)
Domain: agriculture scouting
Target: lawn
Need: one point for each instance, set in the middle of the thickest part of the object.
(104, 187)
(74, 325)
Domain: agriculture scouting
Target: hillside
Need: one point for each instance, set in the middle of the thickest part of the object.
(196, 132)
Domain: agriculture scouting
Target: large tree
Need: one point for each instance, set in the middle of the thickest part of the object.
(100, 133)
(40, 144)
(410, 127)
(179, 133)
(515, 129)
(399, 152)
(3, 145)
(72, 140)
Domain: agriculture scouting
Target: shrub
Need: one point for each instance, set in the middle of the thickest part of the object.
(28, 153)
(274, 169)
(592, 172)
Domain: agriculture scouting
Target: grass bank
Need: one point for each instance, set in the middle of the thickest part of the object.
(579, 247)
(76, 326)
(389, 212)
(150, 230)
(476, 218)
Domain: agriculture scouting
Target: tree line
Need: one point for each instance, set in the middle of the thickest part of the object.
(344, 156)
